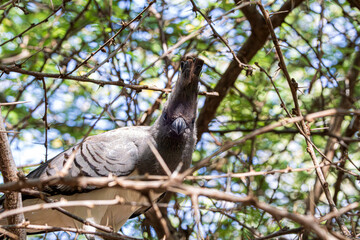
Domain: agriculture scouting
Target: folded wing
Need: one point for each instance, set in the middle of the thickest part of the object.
(114, 152)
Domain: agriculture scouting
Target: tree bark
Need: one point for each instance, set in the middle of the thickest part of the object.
(9, 172)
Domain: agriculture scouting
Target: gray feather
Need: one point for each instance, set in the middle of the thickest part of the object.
(123, 151)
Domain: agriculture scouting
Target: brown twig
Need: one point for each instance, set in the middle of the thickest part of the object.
(113, 53)
(45, 119)
(61, 203)
(159, 158)
(46, 228)
(159, 216)
(310, 148)
(241, 65)
(281, 232)
(67, 213)
(308, 222)
(310, 117)
(186, 38)
(9, 173)
(138, 88)
(9, 234)
(32, 26)
(124, 25)
(13, 103)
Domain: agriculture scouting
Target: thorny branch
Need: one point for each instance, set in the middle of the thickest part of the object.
(110, 40)
(216, 34)
(46, 228)
(9, 173)
(171, 184)
(294, 88)
(240, 108)
(33, 25)
(174, 186)
(138, 88)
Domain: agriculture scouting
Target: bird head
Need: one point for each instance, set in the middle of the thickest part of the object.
(180, 110)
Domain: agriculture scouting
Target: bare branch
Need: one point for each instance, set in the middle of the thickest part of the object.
(9, 172)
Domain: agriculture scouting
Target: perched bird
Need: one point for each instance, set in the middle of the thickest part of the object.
(124, 152)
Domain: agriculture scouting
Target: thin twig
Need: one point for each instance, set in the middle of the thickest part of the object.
(47, 228)
(9, 234)
(310, 146)
(13, 103)
(159, 158)
(310, 117)
(113, 53)
(159, 216)
(32, 26)
(61, 203)
(45, 118)
(124, 25)
(241, 65)
(137, 88)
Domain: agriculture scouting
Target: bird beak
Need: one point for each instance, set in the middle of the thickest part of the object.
(190, 70)
(179, 126)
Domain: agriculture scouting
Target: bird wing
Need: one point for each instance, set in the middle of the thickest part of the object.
(115, 152)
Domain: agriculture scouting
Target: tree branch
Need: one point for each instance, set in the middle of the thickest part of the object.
(9, 172)
(257, 39)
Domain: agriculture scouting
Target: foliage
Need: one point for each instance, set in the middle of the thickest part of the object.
(319, 41)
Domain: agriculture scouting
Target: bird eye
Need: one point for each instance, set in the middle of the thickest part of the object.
(165, 117)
